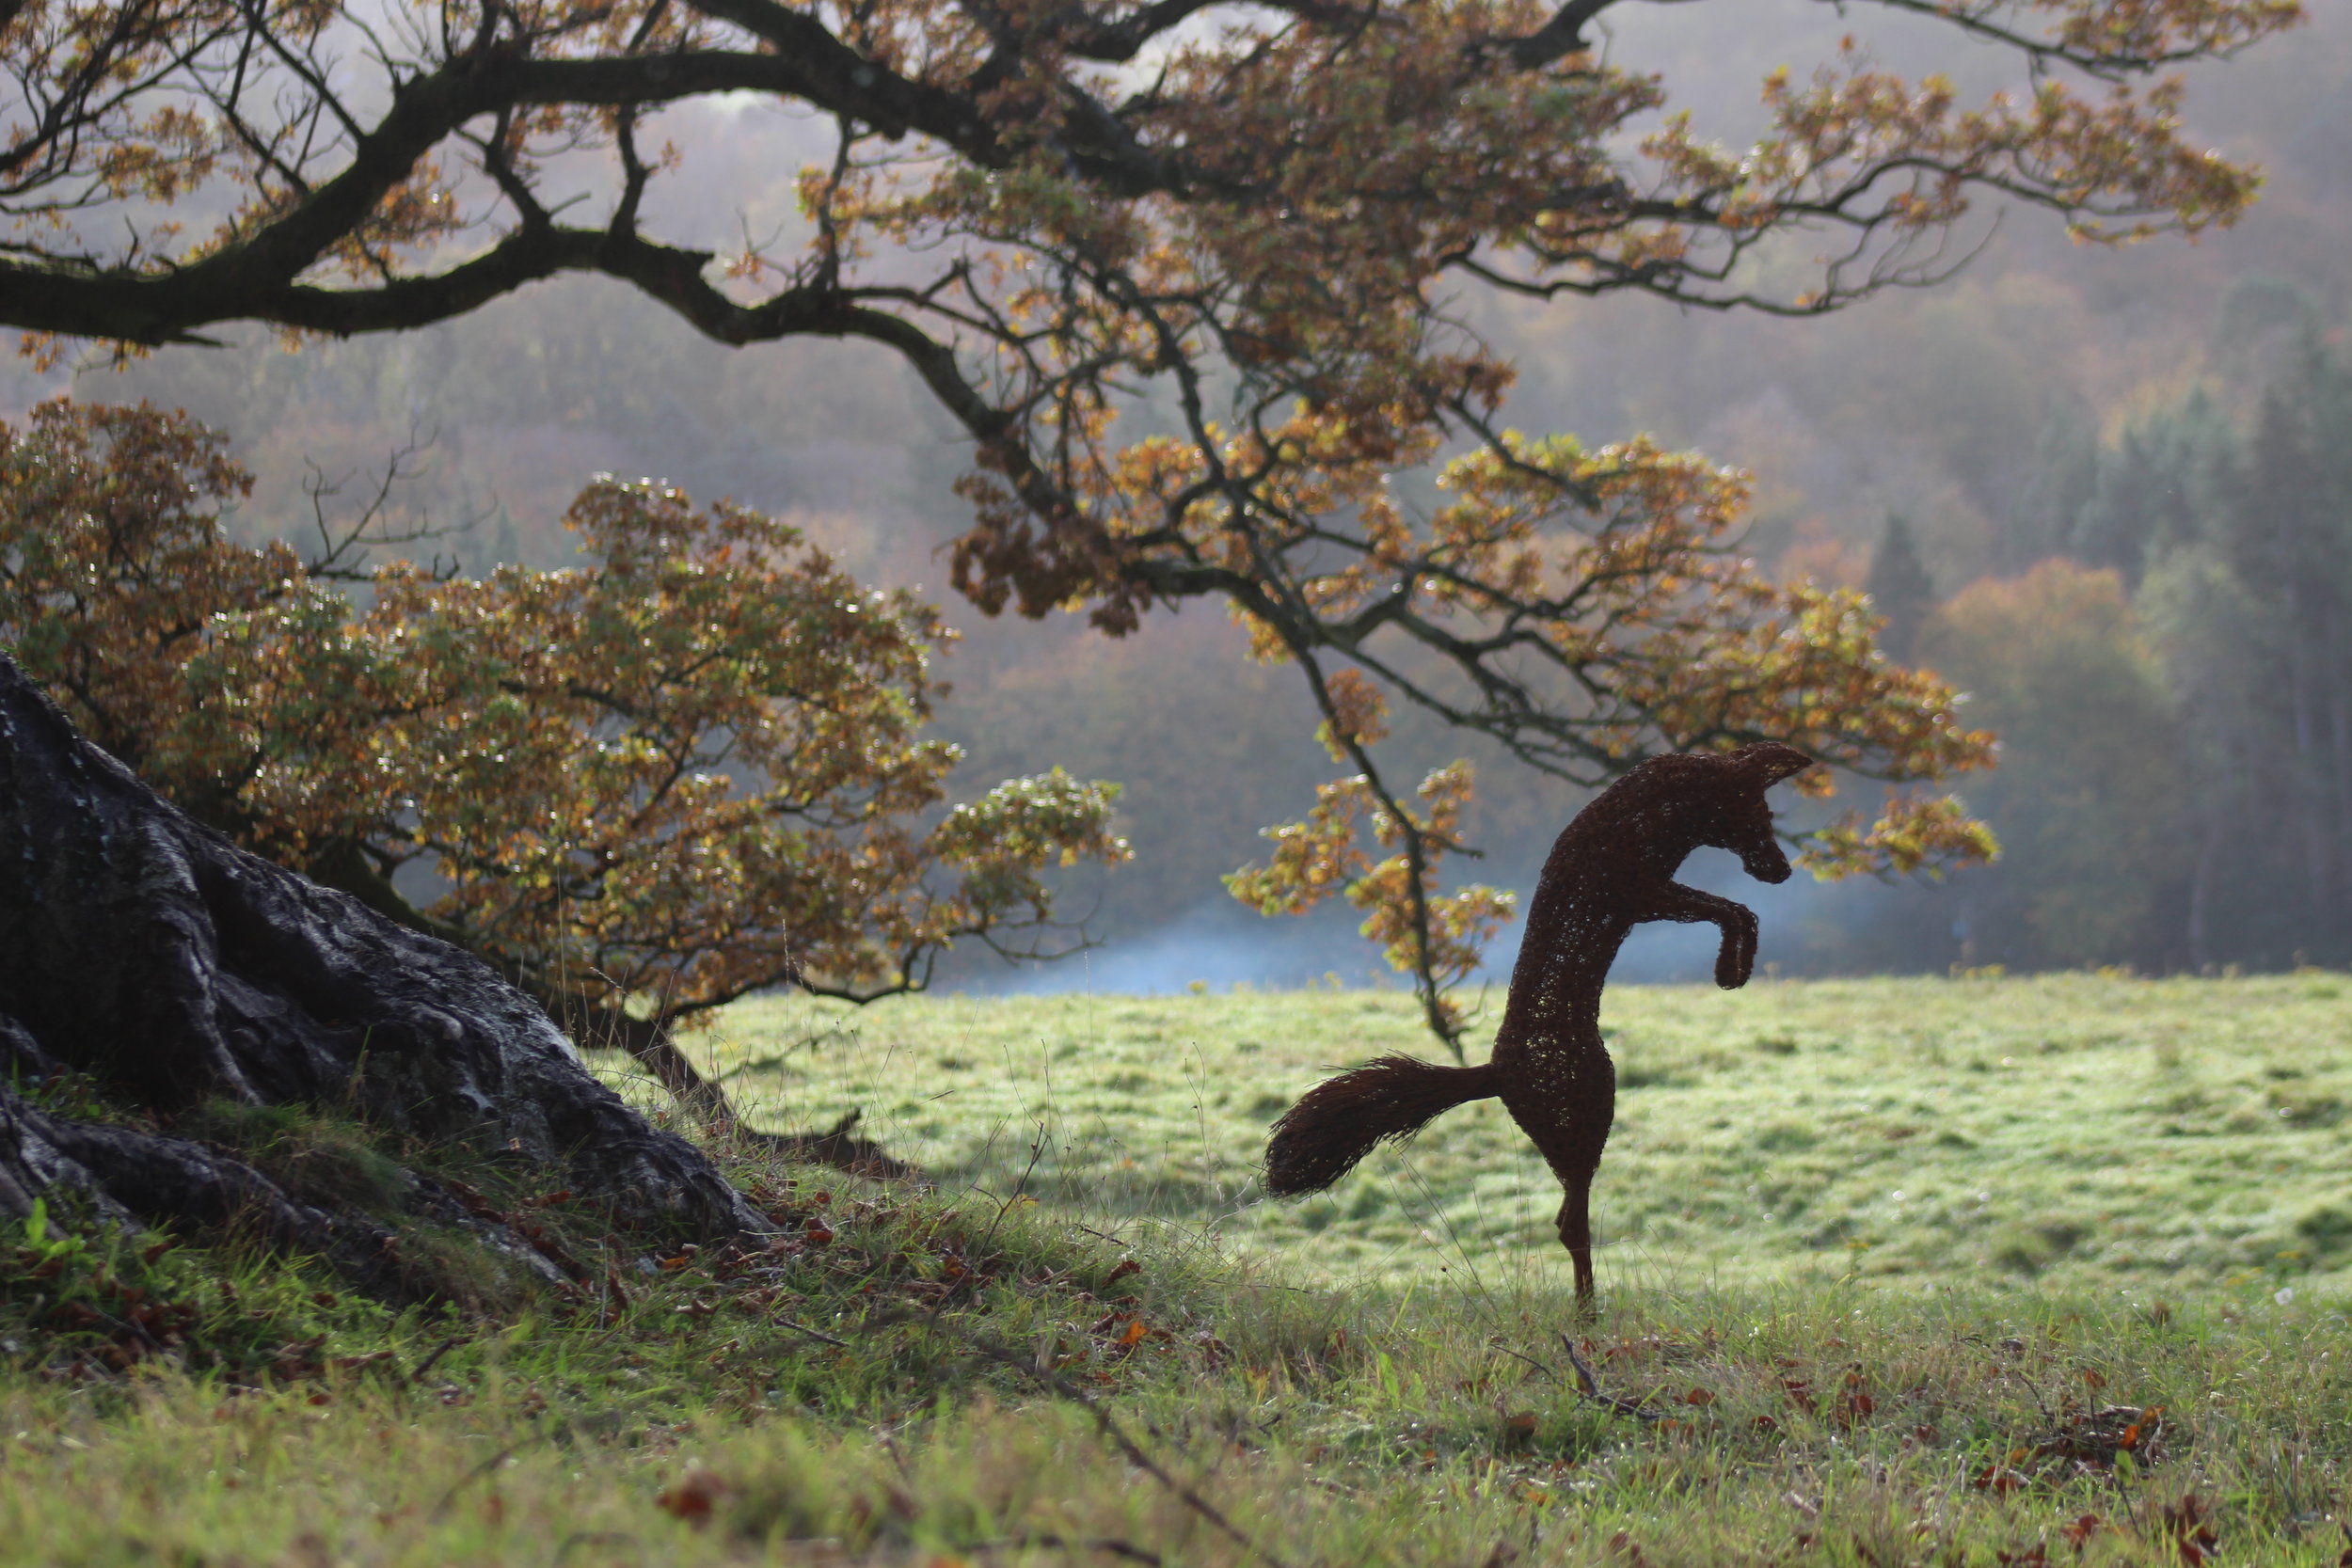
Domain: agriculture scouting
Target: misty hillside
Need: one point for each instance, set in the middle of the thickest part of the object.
(2124, 514)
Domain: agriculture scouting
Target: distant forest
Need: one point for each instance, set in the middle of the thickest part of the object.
(2168, 658)
(2108, 494)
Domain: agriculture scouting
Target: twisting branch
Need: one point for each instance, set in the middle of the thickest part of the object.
(1253, 241)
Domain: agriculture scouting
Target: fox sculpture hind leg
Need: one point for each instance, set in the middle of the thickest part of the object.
(1564, 1101)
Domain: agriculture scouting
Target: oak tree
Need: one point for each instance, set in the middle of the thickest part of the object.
(1245, 221)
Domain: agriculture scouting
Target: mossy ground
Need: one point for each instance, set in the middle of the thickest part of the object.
(2090, 1361)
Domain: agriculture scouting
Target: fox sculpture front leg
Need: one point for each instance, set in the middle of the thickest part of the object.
(1734, 960)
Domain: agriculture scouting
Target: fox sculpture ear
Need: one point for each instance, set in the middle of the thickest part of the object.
(1768, 762)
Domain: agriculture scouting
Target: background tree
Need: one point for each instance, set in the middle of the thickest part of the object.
(641, 787)
(2174, 687)
(1064, 216)
(2088, 798)
(1900, 589)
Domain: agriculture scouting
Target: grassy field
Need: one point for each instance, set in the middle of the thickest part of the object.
(2088, 1132)
(2018, 1272)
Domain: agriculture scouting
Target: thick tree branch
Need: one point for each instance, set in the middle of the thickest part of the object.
(1559, 37)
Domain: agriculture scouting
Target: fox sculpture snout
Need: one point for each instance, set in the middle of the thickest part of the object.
(1609, 870)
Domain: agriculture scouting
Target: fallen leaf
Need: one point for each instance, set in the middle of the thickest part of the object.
(2191, 1528)
(1999, 1479)
(693, 1498)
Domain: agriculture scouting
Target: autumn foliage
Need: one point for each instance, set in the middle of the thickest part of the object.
(1613, 582)
(1251, 221)
(691, 768)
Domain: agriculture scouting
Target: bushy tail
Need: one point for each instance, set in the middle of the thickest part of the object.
(1342, 1120)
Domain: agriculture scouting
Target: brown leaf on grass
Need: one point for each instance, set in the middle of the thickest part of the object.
(693, 1498)
(2079, 1533)
(2189, 1523)
(1623, 1548)
(1852, 1405)
(1698, 1396)
(1133, 1334)
(1999, 1479)
(1124, 1268)
(817, 1233)
(2035, 1556)
(1519, 1429)
(2090, 1440)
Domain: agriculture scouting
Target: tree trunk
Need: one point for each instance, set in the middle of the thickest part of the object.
(598, 1025)
(146, 951)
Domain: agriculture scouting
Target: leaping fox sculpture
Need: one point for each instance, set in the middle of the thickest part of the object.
(1611, 869)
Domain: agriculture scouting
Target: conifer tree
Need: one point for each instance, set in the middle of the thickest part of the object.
(1900, 589)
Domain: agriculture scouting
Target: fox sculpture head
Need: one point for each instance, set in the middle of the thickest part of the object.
(1666, 807)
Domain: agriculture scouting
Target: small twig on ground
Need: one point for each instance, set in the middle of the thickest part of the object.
(592, 1538)
(482, 1469)
(417, 1375)
(1104, 1423)
(1021, 1188)
(1110, 1428)
(1589, 1387)
(812, 1333)
(1539, 1366)
(1111, 1546)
